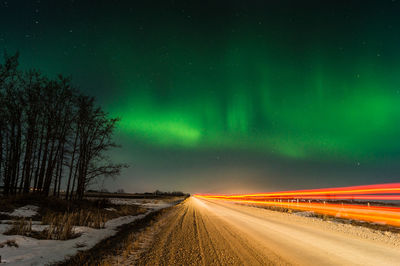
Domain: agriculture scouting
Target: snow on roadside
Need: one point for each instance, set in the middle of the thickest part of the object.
(122, 201)
(304, 214)
(25, 211)
(158, 205)
(40, 252)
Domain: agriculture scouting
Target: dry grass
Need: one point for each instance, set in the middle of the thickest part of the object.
(61, 224)
(56, 205)
(124, 210)
(8, 204)
(94, 219)
(20, 227)
(60, 227)
(137, 243)
(127, 241)
(61, 216)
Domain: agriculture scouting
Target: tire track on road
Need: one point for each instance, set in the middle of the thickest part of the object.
(197, 232)
(197, 237)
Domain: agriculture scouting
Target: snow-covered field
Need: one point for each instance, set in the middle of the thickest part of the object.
(153, 204)
(31, 251)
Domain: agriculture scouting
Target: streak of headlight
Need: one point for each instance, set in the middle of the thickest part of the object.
(293, 200)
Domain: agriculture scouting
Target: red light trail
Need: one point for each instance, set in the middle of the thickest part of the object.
(295, 200)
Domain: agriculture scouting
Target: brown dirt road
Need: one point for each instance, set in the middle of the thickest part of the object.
(194, 236)
(205, 232)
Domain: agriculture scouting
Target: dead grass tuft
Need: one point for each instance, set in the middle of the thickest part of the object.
(61, 224)
(94, 219)
(20, 227)
(60, 227)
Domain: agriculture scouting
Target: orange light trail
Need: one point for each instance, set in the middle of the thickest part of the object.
(295, 200)
(330, 197)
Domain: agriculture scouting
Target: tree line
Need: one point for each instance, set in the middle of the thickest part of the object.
(52, 136)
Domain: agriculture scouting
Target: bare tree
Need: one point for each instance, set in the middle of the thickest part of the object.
(47, 126)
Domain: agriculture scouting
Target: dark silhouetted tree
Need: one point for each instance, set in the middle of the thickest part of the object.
(50, 134)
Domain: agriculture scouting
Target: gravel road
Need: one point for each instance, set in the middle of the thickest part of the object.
(208, 232)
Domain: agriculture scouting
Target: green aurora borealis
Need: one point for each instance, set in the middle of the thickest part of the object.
(301, 119)
(296, 98)
(313, 86)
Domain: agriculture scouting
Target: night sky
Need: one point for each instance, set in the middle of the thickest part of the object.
(228, 96)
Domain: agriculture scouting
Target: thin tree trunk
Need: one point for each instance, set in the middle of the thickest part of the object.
(71, 166)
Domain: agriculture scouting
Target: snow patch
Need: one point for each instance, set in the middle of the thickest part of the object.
(304, 214)
(153, 204)
(25, 211)
(41, 252)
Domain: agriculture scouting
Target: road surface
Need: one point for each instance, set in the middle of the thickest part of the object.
(209, 232)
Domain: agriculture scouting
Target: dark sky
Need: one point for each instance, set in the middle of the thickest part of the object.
(229, 96)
